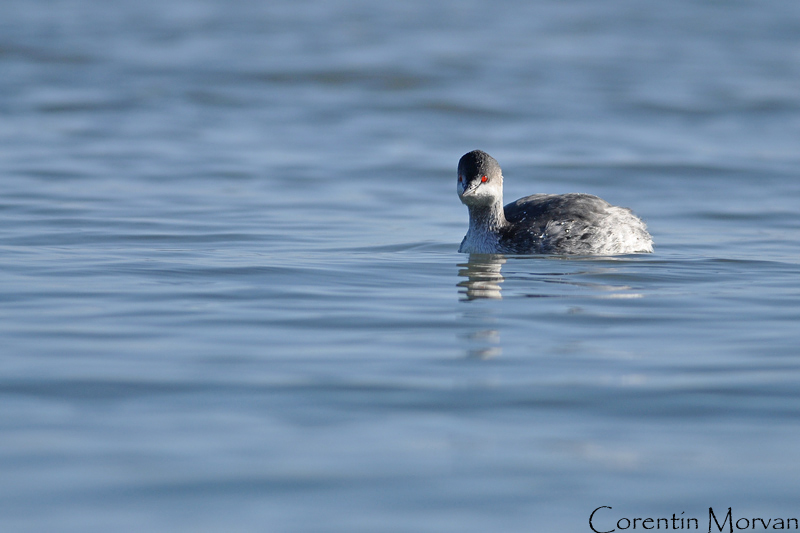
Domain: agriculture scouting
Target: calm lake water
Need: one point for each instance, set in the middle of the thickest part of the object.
(230, 297)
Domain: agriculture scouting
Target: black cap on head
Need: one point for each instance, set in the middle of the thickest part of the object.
(478, 163)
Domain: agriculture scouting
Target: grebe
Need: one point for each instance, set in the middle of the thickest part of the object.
(542, 223)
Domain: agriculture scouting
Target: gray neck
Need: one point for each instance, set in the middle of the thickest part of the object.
(487, 218)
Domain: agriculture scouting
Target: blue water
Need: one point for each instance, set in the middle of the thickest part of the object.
(230, 297)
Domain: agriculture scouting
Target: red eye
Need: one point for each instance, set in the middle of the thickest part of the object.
(460, 179)
(484, 179)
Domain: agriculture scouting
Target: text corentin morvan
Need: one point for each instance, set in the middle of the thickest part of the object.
(600, 524)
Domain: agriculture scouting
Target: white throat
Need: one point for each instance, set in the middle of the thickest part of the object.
(485, 223)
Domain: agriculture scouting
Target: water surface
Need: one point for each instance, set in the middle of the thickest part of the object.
(230, 297)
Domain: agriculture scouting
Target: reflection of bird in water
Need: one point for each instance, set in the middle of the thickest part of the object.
(541, 223)
(483, 276)
(483, 281)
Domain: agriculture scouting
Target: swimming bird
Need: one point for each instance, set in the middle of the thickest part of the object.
(572, 223)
